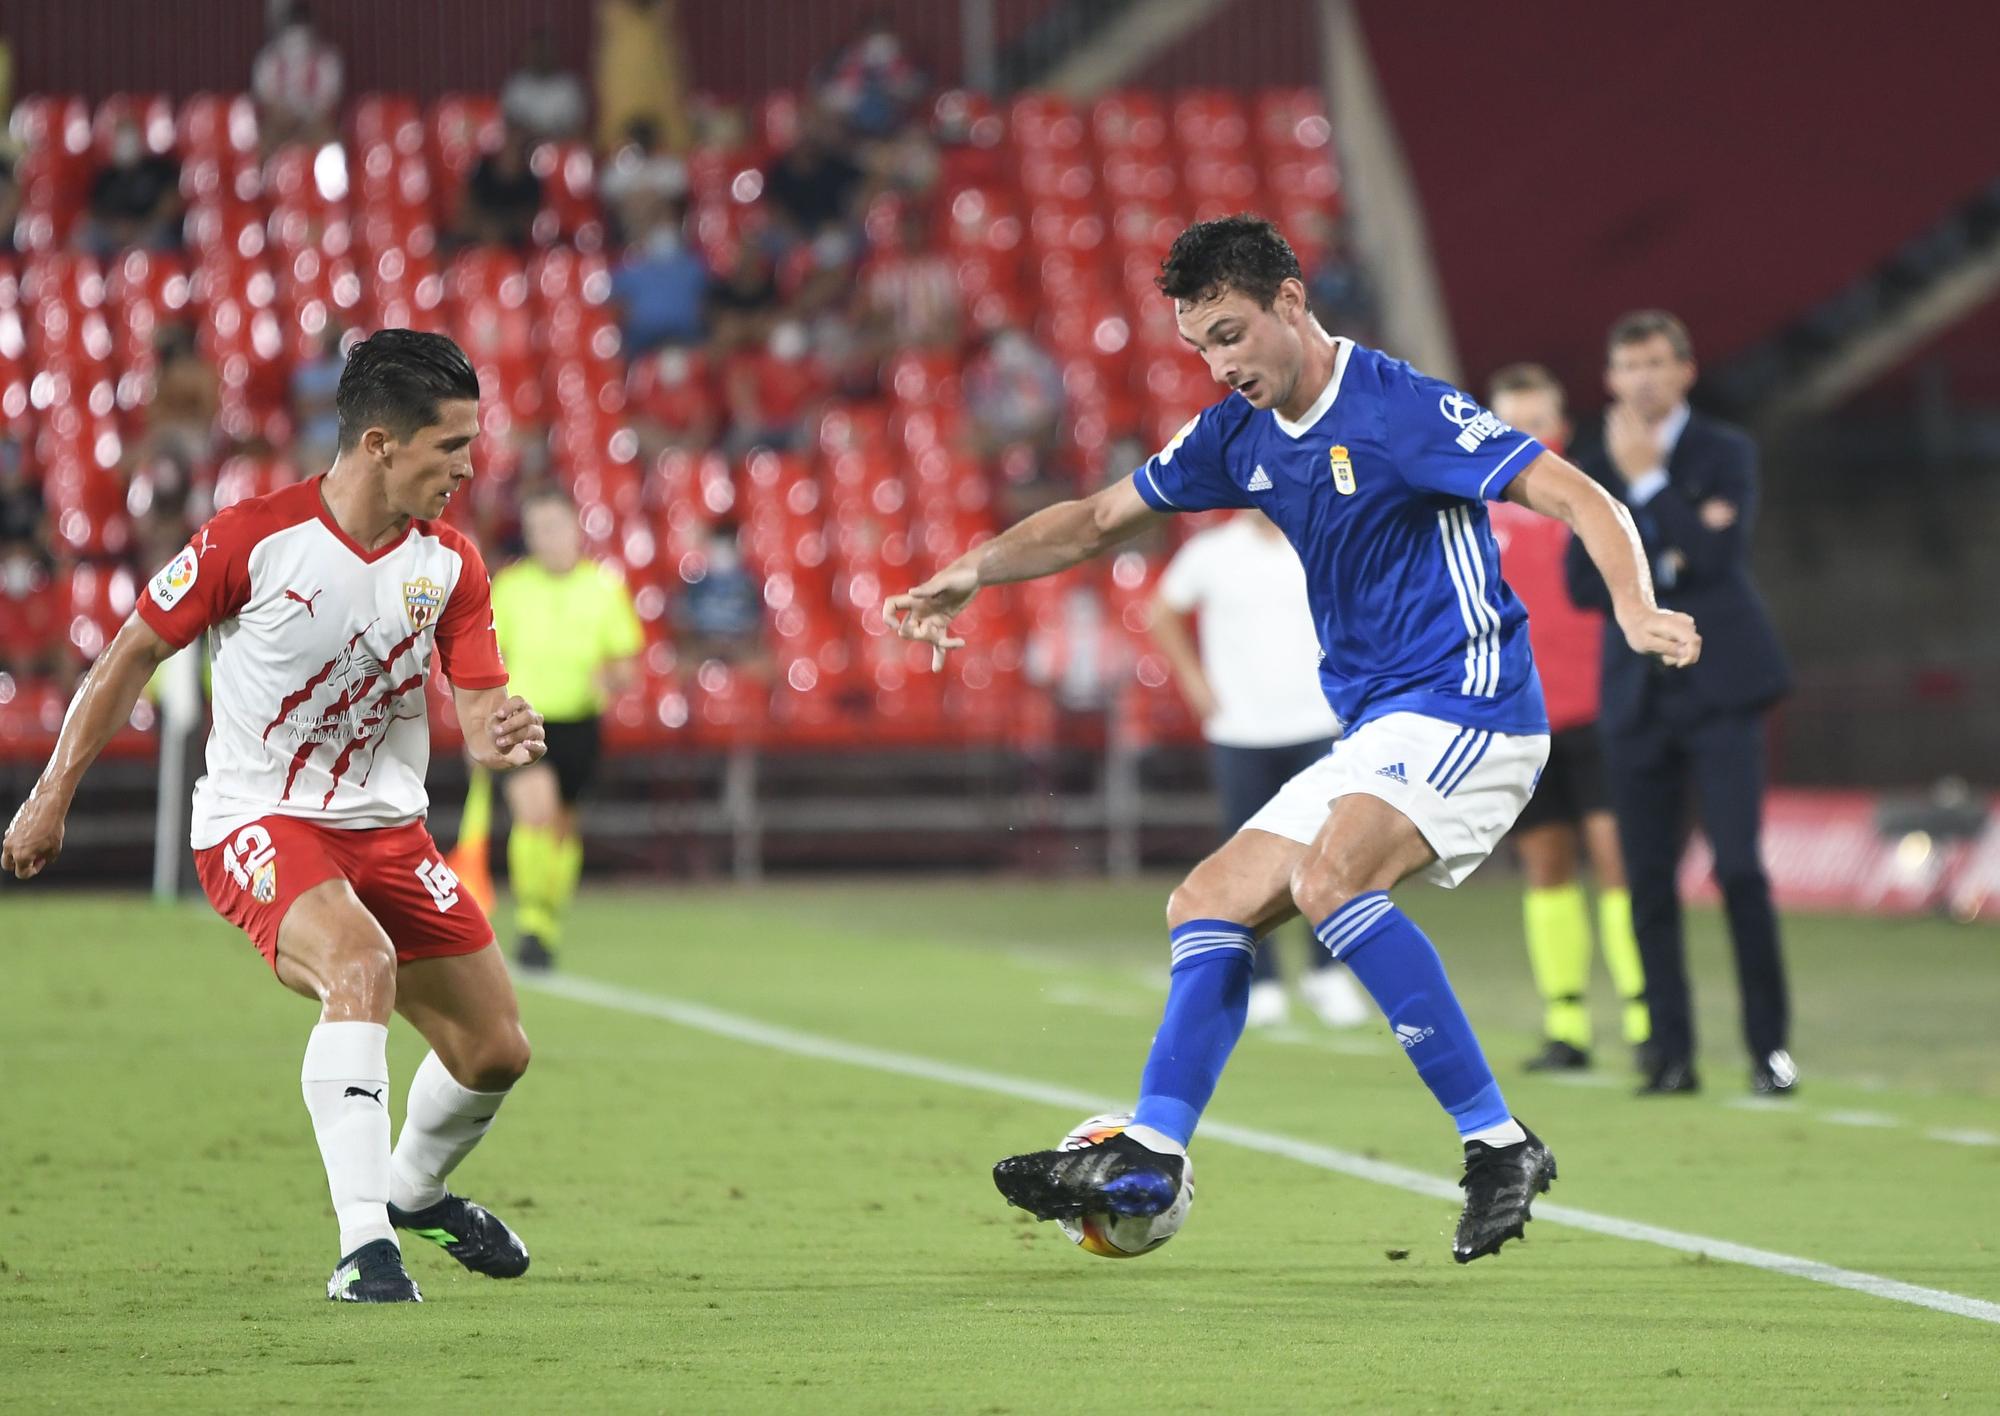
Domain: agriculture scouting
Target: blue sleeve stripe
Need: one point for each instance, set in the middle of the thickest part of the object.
(1159, 501)
(1524, 445)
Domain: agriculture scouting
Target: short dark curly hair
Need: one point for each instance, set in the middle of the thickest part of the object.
(1242, 252)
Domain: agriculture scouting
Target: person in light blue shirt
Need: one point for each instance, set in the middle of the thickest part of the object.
(1378, 476)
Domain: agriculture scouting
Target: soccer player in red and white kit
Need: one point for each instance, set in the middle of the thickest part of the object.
(1569, 814)
(327, 602)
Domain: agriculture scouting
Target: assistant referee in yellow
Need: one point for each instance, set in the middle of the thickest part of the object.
(571, 640)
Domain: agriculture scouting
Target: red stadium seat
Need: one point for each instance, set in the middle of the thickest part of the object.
(569, 195)
(154, 113)
(53, 136)
(1133, 122)
(1293, 119)
(460, 128)
(1211, 121)
(1046, 122)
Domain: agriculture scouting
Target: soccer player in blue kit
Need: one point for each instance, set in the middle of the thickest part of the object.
(1378, 476)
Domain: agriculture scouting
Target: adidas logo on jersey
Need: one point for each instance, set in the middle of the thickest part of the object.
(1260, 480)
(1394, 772)
(1410, 1035)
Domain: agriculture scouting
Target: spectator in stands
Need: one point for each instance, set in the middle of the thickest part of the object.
(135, 198)
(168, 462)
(21, 508)
(1014, 393)
(660, 288)
(542, 99)
(503, 195)
(1338, 289)
(10, 207)
(908, 298)
(296, 80)
(316, 422)
(639, 72)
(814, 186)
(744, 304)
(672, 402)
(30, 629)
(720, 614)
(871, 83)
(773, 392)
(641, 180)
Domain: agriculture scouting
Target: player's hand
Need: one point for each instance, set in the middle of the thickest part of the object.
(924, 612)
(1666, 635)
(1632, 442)
(518, 735)
(1200, 698)
(36, 836)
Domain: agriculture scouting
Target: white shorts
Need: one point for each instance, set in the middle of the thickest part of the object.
(1462, 787)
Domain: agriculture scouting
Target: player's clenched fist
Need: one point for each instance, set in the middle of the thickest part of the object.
(924, 612)
(1667, 635)
(518, 735)
(36, 836)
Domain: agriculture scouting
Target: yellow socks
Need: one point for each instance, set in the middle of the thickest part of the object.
(568, 870)
(1621, 958)
(1558, 927)
(532, 872)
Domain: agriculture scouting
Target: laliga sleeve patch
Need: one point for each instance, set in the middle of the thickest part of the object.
(176, 579)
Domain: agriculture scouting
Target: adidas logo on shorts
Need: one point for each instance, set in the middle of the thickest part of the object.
(1394, 772)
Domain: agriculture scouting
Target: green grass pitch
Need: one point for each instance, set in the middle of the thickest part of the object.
(721, 1225)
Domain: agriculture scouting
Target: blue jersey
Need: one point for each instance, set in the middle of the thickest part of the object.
(1381, 488)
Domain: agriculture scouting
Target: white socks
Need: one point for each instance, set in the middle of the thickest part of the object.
(1507, 1133)
(1154, 1140)
(345, 1081)
(443, 1123)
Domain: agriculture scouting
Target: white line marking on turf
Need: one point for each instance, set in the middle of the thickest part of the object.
(1359, 1167)
(1964, 1138)
(1871, 1119)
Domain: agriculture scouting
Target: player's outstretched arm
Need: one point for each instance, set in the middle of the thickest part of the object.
(1052, 540)
(101, 707)
(1554, 487)
(501, 731)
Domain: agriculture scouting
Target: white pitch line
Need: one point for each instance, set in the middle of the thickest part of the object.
(1416, 1182)
(1964, 1138)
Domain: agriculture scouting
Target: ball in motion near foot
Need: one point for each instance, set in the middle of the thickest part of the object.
(1120, 1236)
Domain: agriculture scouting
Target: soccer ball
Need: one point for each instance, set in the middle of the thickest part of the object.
(1123, 1236)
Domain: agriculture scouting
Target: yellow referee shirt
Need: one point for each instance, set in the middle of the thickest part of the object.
(557, 631)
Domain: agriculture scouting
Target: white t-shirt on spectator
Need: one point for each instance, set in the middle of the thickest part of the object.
(1259, 649)
(546, 105)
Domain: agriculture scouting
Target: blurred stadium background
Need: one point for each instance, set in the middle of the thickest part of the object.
(947, 320)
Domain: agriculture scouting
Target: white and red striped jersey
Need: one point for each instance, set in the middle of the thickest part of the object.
(321, 651)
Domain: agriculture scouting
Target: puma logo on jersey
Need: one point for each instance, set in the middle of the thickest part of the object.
(306, 601)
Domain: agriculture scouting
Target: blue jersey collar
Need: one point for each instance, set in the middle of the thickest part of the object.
(1342, 348)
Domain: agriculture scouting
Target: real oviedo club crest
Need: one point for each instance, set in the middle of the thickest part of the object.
(422, 598)
(1343, 470)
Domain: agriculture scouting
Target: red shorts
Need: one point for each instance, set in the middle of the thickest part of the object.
(253, 877)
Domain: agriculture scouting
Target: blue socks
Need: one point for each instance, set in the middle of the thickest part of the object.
(1404, 975)
(1209, 992)
(1207, 997)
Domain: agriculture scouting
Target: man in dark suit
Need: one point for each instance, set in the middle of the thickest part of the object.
(1691, 483)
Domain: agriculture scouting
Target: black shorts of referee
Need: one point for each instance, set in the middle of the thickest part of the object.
(1572, 782)
(574, 749)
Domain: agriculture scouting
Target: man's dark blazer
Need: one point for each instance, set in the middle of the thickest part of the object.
(1741, 667)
